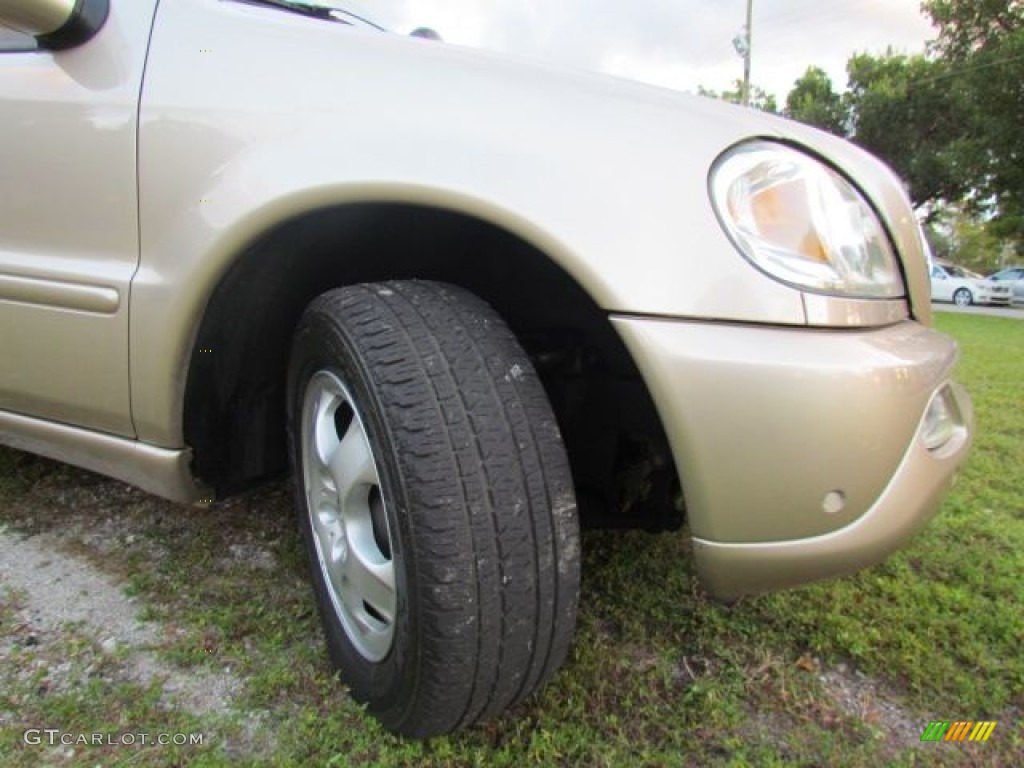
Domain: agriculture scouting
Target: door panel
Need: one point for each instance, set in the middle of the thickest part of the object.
(941, 285)
(69, 241)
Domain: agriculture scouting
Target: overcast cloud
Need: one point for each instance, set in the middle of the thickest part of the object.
(681, 44)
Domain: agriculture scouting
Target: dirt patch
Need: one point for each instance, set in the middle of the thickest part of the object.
(57, 590)
(865, 699)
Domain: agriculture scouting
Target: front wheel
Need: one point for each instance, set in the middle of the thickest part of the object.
(962, 297)
(435, 502)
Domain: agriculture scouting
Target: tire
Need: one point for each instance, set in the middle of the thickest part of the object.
(962, 297)
(435, 502)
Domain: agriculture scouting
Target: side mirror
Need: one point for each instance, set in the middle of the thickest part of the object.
(55, 24)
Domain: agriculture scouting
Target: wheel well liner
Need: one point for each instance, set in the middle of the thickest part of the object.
(235, 392)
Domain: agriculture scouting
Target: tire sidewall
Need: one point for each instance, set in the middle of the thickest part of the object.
(323, 345)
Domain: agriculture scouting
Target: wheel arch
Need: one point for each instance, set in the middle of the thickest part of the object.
(233, 406)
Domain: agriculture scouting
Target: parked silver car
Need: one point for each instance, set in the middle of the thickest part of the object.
(1014, 277)
(469, 301)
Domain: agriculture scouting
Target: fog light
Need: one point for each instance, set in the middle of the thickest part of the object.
(942, 421)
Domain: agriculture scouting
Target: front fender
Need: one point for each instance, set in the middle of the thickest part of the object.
(264, 115)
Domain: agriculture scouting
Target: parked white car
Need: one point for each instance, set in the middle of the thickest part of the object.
(963, 287)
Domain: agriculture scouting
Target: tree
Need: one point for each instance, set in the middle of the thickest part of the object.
(982, 41)
(975, 245)
(759, 98)
(940, 241)
(813, 101)
(968, 26)
(909, 111)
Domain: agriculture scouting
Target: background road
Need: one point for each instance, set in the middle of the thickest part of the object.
(1015, 311)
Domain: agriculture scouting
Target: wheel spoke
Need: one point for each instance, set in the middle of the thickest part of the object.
(351, 464)
(321, 488)
(371, 582)
(324, 434)
(326, 526)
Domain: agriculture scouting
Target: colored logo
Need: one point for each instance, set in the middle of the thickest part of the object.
(959, 730)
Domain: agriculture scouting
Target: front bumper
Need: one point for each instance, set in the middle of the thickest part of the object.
(799, 449)
(1002, 299)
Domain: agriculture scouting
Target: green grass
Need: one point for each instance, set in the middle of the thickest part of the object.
(659, 675)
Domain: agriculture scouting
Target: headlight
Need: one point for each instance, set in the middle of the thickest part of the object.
(802, 223)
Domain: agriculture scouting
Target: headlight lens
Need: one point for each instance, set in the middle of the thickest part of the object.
(801, 222)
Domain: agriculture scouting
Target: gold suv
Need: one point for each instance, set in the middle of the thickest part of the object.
(471, 302)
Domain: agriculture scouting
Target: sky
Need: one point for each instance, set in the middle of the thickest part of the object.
(681, 44)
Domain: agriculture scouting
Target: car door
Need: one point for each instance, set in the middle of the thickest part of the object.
(69, 239)
(942, 286)
(1017, 282)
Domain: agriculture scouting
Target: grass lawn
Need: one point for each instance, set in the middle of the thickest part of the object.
(847, 673)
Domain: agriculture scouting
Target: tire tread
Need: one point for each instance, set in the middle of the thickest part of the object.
(489, 501)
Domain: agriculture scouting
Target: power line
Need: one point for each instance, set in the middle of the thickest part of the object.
(960, 70)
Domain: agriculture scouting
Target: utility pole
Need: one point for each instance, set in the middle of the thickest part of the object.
(746, 54)
(742, 43)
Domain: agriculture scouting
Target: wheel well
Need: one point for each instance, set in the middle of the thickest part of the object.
(234, 401)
